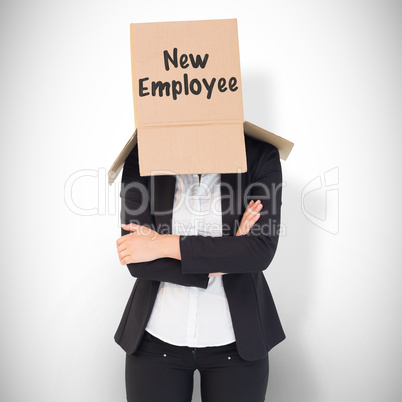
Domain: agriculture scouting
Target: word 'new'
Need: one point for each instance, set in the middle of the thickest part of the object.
(196, 61)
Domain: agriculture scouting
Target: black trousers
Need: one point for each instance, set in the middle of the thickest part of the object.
(160, 372)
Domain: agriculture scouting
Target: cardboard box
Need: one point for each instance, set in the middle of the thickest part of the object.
(188, 103)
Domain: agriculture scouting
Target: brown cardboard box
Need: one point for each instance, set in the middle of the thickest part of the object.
(188, 104)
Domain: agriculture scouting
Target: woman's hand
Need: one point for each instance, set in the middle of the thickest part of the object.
(250, 217)
(142, 244)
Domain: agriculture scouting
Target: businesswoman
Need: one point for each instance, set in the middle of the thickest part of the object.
(198, 246)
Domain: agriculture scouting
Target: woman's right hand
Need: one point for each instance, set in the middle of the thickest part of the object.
(249, 218)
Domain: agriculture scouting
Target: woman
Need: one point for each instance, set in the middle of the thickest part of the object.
(201, 300)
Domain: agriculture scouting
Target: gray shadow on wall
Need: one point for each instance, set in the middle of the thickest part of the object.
(292, 278)
(258, 100)
(293, 282)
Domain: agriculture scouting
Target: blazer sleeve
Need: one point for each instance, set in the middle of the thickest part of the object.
(248, 253)
(135, 208)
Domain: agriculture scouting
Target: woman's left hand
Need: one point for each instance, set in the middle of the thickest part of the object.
(142, 244)
(249, 218)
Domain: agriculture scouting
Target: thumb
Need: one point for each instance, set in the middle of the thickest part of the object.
(131, 227)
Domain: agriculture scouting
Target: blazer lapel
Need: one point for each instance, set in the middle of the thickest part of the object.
(231, 197)
(162, 189)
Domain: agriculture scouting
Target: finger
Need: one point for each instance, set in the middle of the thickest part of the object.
(243, 229)
(255, 218)
(252, 210)
(248, 211)
(121, 240)
(124, 257)
(122, 247)
(131, 227)
(243, 223)
(255, 209)
(257, 204)
(254, 206)
(253, 202)
(250, 214)
(250, 205)
(247, 224)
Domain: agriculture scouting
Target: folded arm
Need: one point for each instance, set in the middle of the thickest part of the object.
(143, 244)
(240, 254)
(135, 207)
(251, 252)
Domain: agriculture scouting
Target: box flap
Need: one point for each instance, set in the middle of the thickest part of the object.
(284, 146)
(119, 162)
(188, 103)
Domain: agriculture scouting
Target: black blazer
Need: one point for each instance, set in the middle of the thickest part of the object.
(149, 200)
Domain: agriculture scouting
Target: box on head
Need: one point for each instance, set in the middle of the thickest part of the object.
(188, 105)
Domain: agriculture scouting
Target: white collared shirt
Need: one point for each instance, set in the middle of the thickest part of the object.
(192, 316)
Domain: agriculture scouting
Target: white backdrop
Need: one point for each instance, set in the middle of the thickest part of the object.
(324, 74)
